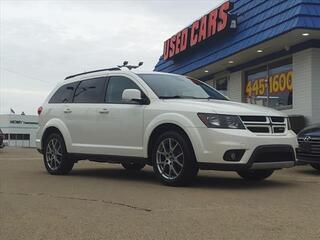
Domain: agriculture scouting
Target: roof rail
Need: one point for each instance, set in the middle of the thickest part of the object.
(100, 70)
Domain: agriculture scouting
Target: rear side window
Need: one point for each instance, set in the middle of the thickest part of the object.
(90, 91)
(116, 86)
(64, 94)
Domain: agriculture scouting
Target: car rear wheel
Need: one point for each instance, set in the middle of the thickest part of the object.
(316, 166)
(173, 159)
(133, 166)
(255, 175)
(54, 156)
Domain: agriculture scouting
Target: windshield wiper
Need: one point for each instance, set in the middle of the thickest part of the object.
(219, 99)
(175, 97)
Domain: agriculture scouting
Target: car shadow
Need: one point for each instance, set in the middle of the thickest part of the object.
(147, 176)
(116, 174)
(238, 183)
(310, 171)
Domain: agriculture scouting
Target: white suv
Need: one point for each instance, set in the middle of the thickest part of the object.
(174, 123)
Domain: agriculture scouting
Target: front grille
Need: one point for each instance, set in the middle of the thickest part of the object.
(265, 125)
(278, 119)
(259, 129)
(279, 129)
(273, 153)
(309, 148)
(253, 118)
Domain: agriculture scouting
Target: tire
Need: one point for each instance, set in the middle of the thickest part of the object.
(54, 155)
(315, 166)
(173, 159)
(133, 166)
(255, 175)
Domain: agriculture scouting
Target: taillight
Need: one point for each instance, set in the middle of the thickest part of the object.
(40, 110)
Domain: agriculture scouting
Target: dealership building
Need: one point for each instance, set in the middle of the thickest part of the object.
(19, 130)
(264, 52)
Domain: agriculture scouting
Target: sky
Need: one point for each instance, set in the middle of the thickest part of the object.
(42, 42)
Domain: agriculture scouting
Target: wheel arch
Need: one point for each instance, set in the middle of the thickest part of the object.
(177, 121)
(163, 127)
(57, 126)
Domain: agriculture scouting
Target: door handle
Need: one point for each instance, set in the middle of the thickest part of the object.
(104, 111)
(67, 110)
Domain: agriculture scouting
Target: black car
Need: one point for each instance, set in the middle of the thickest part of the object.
(309, 146)
(1, 139)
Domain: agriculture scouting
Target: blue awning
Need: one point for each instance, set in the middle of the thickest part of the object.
(258, 22)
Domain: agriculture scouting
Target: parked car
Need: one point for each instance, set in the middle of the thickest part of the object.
(1, 139)
(174, 123)
(309, 146)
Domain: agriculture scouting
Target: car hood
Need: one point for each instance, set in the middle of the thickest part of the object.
(225, 107)
(312, 131)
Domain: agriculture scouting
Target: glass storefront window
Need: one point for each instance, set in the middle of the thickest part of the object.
(270, 85)
(222, 85)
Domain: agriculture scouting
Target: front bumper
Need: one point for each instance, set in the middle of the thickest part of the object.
(307, 160)
(263, 157)
(308, 151)
(213, 143)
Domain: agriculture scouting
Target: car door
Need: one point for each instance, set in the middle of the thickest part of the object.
(59, 104)
(81, 115)
(121, 123)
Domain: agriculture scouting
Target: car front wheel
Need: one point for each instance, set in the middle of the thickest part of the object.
(173, 159)
(54, 156)
(255, 175)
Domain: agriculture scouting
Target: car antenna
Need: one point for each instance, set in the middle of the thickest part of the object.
(130, 67)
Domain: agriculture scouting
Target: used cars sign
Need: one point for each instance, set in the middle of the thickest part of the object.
(208, 26)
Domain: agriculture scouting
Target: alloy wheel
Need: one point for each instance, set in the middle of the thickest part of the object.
(54, 154)
(170, 158)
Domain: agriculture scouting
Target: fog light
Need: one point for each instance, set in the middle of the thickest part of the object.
(234, 155)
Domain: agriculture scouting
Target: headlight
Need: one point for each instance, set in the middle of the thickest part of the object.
(221, 121)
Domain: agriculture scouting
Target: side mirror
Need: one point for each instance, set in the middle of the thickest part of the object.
(132, 95)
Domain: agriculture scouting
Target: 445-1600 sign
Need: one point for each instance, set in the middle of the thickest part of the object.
(280, 82)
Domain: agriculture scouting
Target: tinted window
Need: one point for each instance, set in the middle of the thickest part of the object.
(64, 94)
(90, 91)
(116, 86)
(175, 86)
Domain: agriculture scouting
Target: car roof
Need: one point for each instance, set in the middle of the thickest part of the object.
(102, 72)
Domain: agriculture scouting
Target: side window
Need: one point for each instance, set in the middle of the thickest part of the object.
(90, 91)
(64, 94)
(116, 86)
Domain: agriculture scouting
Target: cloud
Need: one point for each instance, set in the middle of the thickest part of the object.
(18, 91)
(41, 42)
(21, 99)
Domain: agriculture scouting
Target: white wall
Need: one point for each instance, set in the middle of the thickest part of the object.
(306, 84)
(302, 75)
(235, 86)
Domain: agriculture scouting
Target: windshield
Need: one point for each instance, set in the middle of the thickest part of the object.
(174, 86)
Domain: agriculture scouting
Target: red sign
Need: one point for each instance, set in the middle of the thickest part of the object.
(202, 29)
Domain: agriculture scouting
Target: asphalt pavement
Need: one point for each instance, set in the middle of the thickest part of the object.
(104, 201)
